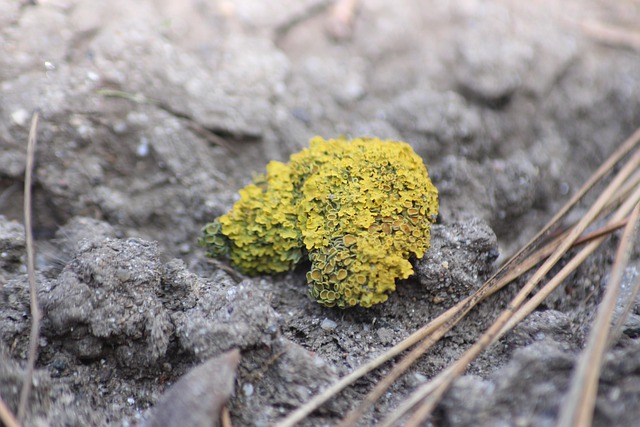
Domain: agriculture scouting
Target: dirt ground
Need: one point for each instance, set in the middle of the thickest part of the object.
(155, 113)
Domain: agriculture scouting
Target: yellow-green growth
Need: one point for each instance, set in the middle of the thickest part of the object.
(359, 208)
(260, 234)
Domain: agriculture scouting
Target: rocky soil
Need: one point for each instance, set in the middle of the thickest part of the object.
(155, 113)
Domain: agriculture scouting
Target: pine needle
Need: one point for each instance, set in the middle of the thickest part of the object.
(569, 268)
(578, 408)
(6, 416)
(35, 309)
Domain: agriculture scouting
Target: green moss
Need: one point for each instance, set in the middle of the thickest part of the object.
(359, 208)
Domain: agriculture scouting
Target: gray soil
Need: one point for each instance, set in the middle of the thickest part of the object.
(155, 113)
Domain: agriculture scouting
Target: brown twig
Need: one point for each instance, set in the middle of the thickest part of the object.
(578, 408)
(6, 416)
(35, 309)
(225, 417)
(613, 36)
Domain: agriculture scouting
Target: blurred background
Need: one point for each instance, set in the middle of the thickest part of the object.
(154, 113)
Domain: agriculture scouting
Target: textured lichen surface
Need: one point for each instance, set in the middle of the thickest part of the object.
(359, 209)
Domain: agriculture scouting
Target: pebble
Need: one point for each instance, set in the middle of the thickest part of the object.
(247, 389)
(328, 324)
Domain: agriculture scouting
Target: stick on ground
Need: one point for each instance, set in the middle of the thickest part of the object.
(35, 309)
(578, 408)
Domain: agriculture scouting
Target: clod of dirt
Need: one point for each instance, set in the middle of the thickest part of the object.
(513, 190)
(506, 62)
(282, 376)
(12, 245)
(461, 254)
(224, 316)
(198, 397)
(501, 192)
(438, 122)
(508, 393)
(548, 324)
(52, 403)
(12, 248)
(631, 326)
(107, 294)
(71, 236)
(16, 321)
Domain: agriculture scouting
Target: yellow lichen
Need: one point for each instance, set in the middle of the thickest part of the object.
(360, 209)
(259, 234)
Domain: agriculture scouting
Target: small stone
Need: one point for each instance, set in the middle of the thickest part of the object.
(247, 389)
(20, 117)
(59, 364)
(328, 324)
(142, 150)
(385, 336)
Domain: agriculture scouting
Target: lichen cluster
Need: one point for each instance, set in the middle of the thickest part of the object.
(358, 209)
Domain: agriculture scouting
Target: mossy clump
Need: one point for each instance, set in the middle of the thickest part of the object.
(358, 209)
